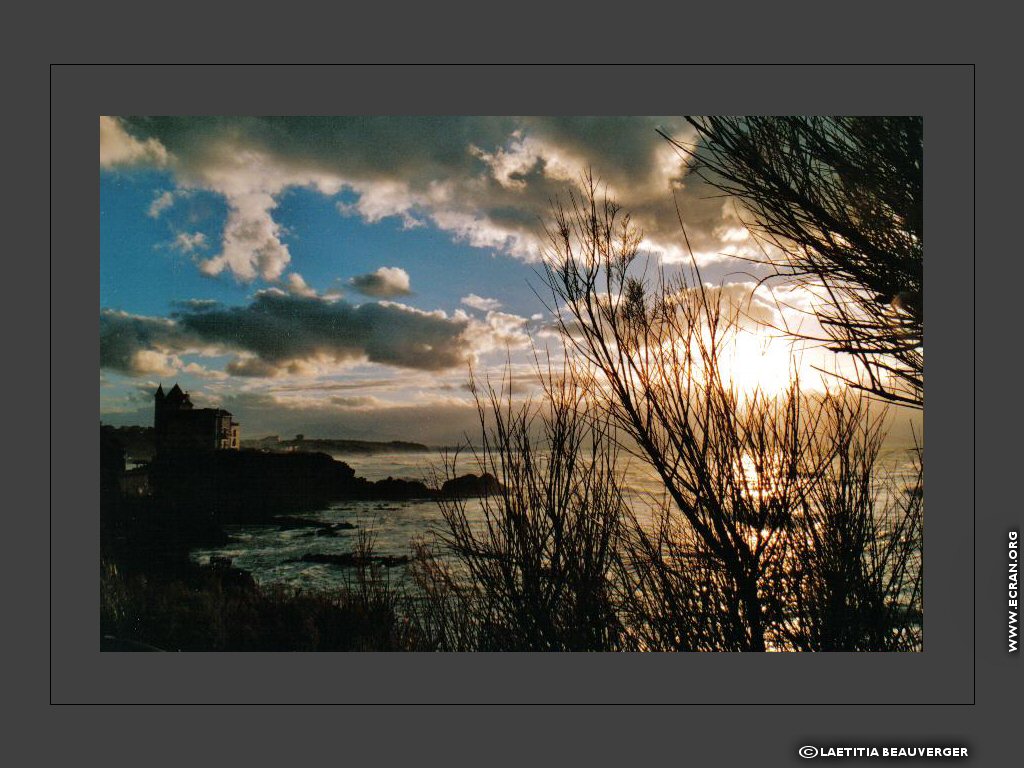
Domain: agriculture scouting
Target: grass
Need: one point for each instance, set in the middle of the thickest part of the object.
(216, 608)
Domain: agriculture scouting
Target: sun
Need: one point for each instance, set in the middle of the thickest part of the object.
(745, 361)
(754, 362)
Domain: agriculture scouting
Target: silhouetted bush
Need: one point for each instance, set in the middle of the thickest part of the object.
(222, 609)
(533, 569)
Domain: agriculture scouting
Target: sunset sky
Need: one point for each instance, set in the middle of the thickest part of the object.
(338, 276)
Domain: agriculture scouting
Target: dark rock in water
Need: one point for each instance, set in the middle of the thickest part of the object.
(351, 559)
(332, 530)
(291, 523)
(396, 489)
(468, 486)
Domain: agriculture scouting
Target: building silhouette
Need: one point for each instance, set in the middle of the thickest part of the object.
(181, 428)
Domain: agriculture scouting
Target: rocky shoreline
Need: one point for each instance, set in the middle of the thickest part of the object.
(155, 597)
(188, 498)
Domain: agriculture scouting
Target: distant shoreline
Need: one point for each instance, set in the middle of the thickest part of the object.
(140, 443)
(334, 445)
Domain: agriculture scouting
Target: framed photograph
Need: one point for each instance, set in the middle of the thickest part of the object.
(449, 392)
(461, 383)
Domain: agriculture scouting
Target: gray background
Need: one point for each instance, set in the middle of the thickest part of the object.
(943, 674)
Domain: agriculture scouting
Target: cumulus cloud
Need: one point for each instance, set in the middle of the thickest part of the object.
(507, 330)
(481, 303)
(251, 246)
(250, 365)
(202, 372)
(120, 148)
(752, 305)
(161, 203)
(152, 362)
(769, 310)
(497, 331)
(386, 282)
(487, 181)
(187, 242)
(297, 286)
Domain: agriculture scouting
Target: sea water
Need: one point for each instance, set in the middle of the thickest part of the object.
(274, 556)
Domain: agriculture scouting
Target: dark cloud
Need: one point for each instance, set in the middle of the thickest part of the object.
(255, 367)
(280, 328)
(128, 342)
(360, 146)
(629, 142)
(277, 332)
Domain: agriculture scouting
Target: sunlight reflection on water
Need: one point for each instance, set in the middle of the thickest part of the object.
(273, 556)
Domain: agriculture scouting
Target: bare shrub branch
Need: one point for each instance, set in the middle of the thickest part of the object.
(841, 198)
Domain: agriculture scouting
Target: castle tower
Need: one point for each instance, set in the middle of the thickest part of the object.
(166, 406)
(158, 413)
(181, 428)
(177, 400)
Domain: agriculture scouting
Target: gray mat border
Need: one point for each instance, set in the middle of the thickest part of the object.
(943, 673)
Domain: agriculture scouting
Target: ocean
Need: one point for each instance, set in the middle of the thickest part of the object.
(273, 556)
